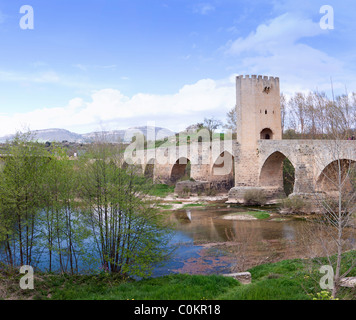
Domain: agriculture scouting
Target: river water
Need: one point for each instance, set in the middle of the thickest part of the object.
(206, 243)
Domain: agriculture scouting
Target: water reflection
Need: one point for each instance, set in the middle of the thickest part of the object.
(207, 225)
(203, 236)
(263, 241)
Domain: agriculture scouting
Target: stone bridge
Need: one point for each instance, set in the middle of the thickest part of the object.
(255, 159)
(211, 162)
(223, 165)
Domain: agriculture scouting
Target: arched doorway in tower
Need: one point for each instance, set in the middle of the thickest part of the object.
(278, 174)
(266, 134)
(223, 171)
(338, 176)
(181, 170)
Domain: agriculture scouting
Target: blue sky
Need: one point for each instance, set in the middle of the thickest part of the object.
(112, 64)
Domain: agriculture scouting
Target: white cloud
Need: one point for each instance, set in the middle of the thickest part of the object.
(283, 31)
(278, 48)
(109, 107)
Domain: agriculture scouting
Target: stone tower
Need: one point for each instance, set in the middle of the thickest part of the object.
(258, 109)
(258, 117)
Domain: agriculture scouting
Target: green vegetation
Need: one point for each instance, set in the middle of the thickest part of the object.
(161, 190)
(260, 215)
(189, 205)
(75, 216)
(294, 205)
(284, 280)
(165, 206)
(288, 176)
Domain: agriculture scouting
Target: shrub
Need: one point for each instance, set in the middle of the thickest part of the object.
(323, 295)
(211, 192)
(294, 205)
(185, 192)
(255, 197)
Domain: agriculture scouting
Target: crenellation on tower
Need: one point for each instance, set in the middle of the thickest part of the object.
(258, 78)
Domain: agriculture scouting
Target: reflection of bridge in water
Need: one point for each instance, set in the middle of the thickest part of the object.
(261, 238)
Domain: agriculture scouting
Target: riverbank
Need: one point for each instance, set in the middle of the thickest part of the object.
(285, 277)
(295, 279)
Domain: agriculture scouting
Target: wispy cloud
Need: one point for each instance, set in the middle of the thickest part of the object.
(110, 106)
(80, 66)
(48, 76)
(203, 8)
(92, 67)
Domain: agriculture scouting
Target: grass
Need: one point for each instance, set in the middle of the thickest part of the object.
(189, 205)
(276, 281)
(161, 190)
(260, 215)
(284, 280)
(172, 287)
(165, 206)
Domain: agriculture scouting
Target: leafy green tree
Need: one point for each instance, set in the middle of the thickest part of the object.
(127, 230)
(20, 199)
(63, 233)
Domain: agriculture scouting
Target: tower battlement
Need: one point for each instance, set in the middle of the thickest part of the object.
(257, 78)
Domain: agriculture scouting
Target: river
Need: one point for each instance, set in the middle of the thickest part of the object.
(206, 243)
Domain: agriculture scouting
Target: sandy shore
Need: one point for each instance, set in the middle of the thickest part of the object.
(175, 202)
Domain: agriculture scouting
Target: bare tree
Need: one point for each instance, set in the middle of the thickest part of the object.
(299, 106)
(231, 118)
(283, 110)
(211, 125)
(335, 197)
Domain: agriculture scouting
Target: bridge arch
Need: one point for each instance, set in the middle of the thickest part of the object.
(343, 169)
(181, 169)
(277, 172)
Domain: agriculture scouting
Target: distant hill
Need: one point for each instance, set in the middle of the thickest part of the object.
(60, 135)
(54, 134)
